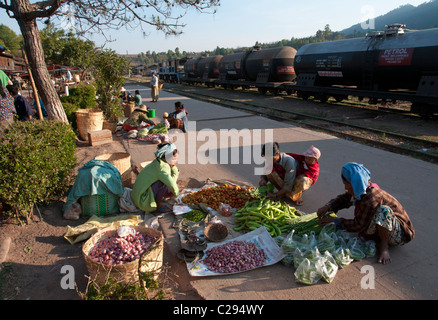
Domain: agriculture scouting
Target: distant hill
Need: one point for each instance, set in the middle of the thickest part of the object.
(424, 16)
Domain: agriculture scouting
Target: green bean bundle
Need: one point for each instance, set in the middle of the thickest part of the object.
(268, 213)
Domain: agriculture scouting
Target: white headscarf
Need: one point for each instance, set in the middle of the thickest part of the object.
(166, 150)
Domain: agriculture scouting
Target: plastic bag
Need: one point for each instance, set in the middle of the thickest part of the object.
(307, 273)
(73, 212)
(327, 267)
(225, 210)
(355, 249)
(326, 243)
(370, 248)
(291, 243)
(342, 257)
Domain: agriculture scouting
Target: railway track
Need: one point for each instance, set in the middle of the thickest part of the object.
(424, 149)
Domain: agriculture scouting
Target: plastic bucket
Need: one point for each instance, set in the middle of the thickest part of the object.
(151, 113)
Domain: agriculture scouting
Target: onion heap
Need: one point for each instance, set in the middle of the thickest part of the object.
(116, 250)
(234, 256)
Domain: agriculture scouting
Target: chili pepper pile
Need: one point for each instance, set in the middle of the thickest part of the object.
(233, 195)
(274, 216)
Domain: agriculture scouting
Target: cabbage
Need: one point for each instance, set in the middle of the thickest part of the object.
(143, 132)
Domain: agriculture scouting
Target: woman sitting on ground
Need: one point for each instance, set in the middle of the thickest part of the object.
(136, 118)
(377, 215)
(179, 118)
(157, 181)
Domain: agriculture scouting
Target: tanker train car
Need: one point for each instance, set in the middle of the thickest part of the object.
(265, 69)
(202, 70)
(390, 65)
(395, 64)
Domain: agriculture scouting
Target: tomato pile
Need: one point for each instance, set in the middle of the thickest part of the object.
(232, 195)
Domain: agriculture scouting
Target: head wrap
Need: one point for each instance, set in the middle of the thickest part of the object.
(313, 152)
(166, 150)
(358, 176)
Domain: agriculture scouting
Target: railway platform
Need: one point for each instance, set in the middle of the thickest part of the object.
(208, 152)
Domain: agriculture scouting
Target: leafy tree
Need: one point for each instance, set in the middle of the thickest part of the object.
(108, 71)
(10, 40)
(91, 16)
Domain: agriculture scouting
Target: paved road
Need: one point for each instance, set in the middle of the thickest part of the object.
(411, 275)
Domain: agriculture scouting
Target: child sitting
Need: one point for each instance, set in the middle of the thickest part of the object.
(307, 172)
(165, 121)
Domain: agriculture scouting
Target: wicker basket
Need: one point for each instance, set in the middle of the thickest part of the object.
(88, 120)
(112, 126)
(129, 108)
(150, 261)
(216, 232)
(121, 161)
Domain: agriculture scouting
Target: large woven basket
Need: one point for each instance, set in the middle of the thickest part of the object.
(88, 120)
(150, 261)
(121, 161)
(129, 108)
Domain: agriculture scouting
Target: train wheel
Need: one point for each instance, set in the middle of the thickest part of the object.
(322, 97)
(340, 98)
(423, 109)
(262, 90)
(303, 95)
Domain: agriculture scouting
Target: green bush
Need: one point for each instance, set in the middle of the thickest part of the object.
(83, 96)
(80, 97)
(70, 111)
(37, 161)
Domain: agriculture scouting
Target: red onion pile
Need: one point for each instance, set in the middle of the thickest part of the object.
(234, 256)
(116, 250)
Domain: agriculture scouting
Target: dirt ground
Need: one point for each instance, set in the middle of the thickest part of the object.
(38, 251)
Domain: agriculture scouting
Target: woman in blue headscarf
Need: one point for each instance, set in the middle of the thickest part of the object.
(377, 214)
(157, 180)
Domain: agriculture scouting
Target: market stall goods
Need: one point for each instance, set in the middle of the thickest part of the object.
(123, 264)
(233, 195)
(234, 256)
(117, 250)
(306, 224)
(274, 216)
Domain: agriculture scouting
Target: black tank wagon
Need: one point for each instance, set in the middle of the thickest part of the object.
(265, 69)
(390, 65)
(395, 64)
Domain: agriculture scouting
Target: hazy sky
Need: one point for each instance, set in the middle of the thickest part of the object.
(243, 22)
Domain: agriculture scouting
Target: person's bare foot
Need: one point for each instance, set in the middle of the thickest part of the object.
(384, 256)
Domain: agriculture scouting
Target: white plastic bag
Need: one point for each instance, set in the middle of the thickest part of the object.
(125, 202)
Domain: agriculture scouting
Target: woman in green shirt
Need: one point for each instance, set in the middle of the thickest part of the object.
(157, 180)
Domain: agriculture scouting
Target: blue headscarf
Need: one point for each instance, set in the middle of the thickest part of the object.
(358, 176)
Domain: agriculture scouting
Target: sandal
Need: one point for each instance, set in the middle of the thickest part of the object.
(189, 256)
(194, 243)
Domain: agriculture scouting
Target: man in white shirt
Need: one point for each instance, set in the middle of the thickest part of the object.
(154, 87)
